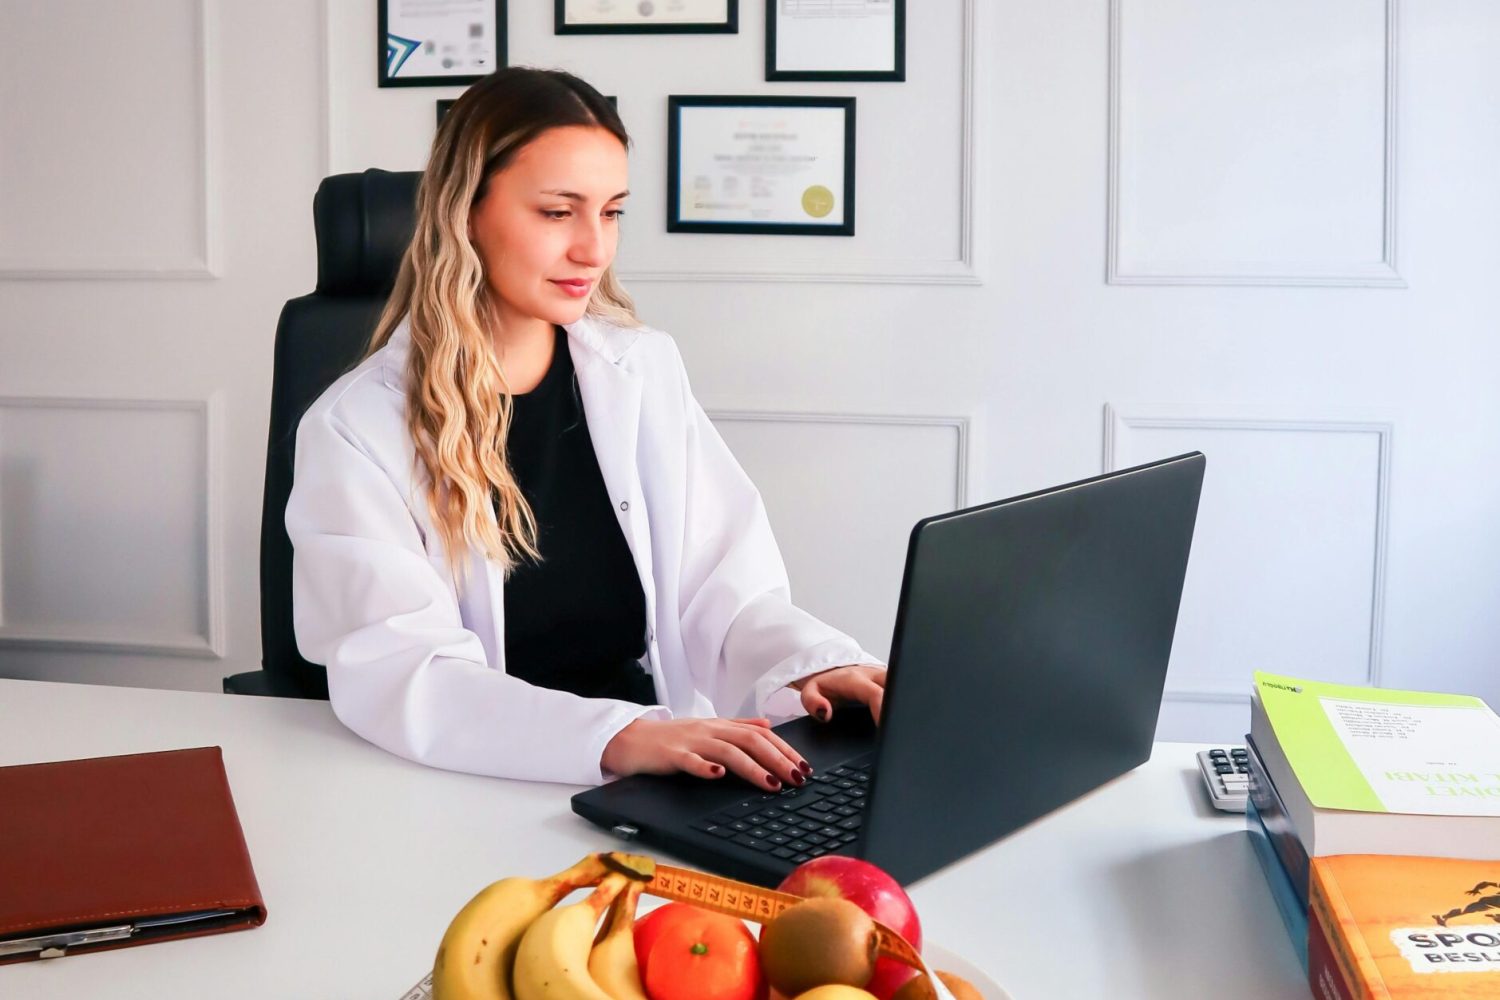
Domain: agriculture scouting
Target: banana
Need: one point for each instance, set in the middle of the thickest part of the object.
(475, 958)
(612, 963)
(553, 960)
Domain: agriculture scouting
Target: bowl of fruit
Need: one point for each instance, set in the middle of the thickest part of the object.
(836, 929)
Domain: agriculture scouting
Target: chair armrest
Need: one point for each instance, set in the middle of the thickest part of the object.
(265, 683)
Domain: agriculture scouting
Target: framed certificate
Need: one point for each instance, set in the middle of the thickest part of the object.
(836, 40)
(761, 165)
(646, 17)
(440, 43)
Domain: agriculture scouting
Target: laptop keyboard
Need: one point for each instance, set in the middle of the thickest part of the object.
(798, 824)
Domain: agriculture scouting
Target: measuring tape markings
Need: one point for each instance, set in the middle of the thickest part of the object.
(751, 902)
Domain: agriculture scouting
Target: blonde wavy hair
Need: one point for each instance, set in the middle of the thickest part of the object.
(458, 401)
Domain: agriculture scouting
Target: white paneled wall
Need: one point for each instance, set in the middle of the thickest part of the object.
(112, 174)
(109, 540)
(842, 493)
(1253, 143)
(1180, 215)
(1288, 563)
(157, 162)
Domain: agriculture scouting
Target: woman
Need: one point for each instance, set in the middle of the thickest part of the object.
(521, 549)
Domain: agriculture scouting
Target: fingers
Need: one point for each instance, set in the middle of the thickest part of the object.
(706, 748)
(816, 704)
(739, 762)
(696, 764)
(711, 748)
(776, 759)
(803, 768)
(865, 686)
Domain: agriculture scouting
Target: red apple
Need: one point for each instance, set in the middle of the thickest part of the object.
(873, 891)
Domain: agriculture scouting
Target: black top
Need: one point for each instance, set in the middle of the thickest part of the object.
(576, 621)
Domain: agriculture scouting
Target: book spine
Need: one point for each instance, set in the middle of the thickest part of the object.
(1293, 911)
(1274, 764)
(1289, 847)
(1324, 974)
(1341, 932)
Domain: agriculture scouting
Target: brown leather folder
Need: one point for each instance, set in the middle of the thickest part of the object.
(110, 852)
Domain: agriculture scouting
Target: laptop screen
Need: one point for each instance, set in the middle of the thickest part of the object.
(1029, 658)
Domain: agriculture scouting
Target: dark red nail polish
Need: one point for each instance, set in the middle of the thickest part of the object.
(798, 779)
(823, 714)
(806, 767)
(716, 769)
(771, 780)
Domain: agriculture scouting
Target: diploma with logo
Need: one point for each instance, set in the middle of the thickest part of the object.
(761, 165)
(440, 43)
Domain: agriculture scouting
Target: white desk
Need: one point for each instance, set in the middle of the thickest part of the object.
(1139, 890)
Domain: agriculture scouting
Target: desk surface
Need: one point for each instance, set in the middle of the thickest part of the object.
(1139, 890)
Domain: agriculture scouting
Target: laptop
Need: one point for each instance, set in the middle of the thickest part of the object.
(1027, 668)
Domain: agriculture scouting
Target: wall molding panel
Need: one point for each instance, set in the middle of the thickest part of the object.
(203, 259)
(959, 425)
(1121, 269)
(123, 574)
(1370, 457)
(842, 491)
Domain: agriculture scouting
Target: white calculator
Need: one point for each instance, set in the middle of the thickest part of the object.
(1226, 772)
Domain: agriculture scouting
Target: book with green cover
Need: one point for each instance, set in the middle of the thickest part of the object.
(1376, 771)
(1375, 750)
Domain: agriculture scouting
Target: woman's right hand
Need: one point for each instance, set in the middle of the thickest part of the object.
(707, 748)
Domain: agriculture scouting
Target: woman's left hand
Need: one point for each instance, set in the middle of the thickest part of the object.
(859, 683)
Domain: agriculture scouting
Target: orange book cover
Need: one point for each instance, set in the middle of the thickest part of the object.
(1404, 928)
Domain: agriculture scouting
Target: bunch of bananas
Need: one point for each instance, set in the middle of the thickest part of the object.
(513, 942)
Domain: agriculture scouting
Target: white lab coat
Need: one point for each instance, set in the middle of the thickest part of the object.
(418, 667)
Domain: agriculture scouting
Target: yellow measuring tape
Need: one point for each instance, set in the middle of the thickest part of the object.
(751, 902)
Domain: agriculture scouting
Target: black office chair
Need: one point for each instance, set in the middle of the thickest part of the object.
(364, 223)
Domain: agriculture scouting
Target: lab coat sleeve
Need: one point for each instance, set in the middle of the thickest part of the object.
(738, 619)
(403, 670)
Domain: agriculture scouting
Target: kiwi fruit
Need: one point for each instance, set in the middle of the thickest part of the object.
(818, 942)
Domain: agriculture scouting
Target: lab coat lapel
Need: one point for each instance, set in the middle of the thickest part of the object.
(612, 405)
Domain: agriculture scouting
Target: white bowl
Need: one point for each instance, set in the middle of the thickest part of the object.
(938, 957)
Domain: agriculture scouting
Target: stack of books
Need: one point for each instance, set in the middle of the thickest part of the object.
(1376, 817)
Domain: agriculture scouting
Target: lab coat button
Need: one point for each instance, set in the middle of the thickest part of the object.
(624, 504)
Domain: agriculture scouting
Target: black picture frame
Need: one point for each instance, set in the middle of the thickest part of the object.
(729, 26)
(895, 75)
(384, 54)
(675, 224)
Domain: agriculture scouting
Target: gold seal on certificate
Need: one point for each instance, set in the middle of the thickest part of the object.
(817, 201)
(780, 165)
(598, 17)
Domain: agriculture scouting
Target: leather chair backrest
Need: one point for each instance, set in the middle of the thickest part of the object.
(364, 223)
